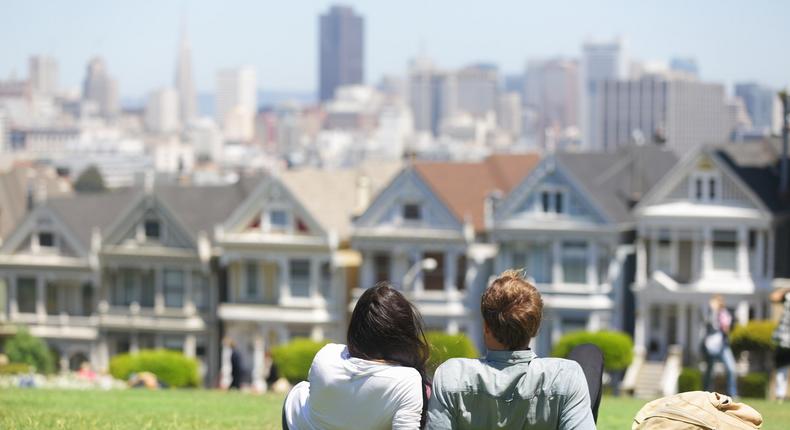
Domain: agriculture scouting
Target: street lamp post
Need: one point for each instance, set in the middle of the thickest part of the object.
(426, 264)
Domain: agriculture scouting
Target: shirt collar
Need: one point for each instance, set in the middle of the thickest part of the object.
(511, 357)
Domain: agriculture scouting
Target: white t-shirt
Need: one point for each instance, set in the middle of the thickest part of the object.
(350, 393)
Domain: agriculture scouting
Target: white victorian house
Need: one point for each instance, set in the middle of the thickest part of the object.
(434, 212)
(567, 226)
(707, 228)
(285, 261)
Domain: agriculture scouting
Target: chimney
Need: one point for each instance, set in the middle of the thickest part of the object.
(363, 195)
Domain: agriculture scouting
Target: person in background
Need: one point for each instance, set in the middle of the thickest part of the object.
(236, 370)
(511, 388)
(781, 339)
(716, 344)
(377, 381)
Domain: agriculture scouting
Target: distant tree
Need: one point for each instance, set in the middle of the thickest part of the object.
(28, 349)
(90, 181)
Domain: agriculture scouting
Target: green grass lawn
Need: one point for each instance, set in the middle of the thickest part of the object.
(197, 409)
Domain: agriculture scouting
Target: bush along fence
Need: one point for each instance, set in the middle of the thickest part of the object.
(171, 368)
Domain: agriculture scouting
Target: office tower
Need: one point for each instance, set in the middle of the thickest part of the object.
(761, 103)
(681, 113)
(687, 65)
(162, 111)
(509, 115)
(552, 92)
(184, 82)
(432, 95)
(601, 61)
(477, 88)
(43, 74)
(100, 88)
(237, 102)
(342, 56)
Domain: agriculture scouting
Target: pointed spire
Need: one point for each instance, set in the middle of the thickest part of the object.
(187, 98)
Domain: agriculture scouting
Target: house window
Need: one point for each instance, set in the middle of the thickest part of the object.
(712, 188)
(251, 280)
(300, 278)
(278, 220)
(147, 288)
(174, 288)
(200, 290)
(46, 239)
(52, 299)
(603, 264)
(434, 279)
(698, 193)
(326, 279)
(545, 198)
(558, 202)
(26, 295)
(552, 201)
(460, 274)
(705, 187)
(129, 290)
(412, 212)
(152, 229)
(724, 250)
(173, 342)
(381, 268)
(574, 262)
(539, 263)
(664, 253)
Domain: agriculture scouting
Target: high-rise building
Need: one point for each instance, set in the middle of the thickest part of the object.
(100, 88)
(161, 111)
(509, 115)
(683, 114)
(184, 82)
(477, 89)
(552, 92)
(601, 61)
(432, 95)
(342, 53)
(687, 65)
(237, 102)
(761, 103)
(43, 74)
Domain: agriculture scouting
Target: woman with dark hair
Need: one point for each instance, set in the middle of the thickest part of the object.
(377, 381)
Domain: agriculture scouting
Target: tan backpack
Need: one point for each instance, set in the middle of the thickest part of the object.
(697, 410)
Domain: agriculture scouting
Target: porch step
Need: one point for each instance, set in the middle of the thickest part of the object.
(648, 380)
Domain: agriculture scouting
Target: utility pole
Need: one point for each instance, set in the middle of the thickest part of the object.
(784, 97)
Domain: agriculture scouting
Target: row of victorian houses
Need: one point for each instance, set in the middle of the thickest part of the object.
(635, 240)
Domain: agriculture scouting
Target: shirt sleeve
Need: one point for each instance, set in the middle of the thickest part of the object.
(409, 411)
(576, 412)
(440, 406)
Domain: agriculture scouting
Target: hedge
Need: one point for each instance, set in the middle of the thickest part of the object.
(750, 385)
(617, 347)
(15, 368)
(170, 367)
(25, 348)
(753, 336)
(294, 358)
(445, 346)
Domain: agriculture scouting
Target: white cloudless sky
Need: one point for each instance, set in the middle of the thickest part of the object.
(731, 40)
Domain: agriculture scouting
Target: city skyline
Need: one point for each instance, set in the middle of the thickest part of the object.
(439, 31)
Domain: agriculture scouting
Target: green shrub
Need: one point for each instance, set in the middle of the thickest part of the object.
(171, 367)
(294, 358)
(753, 336)
(617, 347)
(14, 368)
(26, 348)
(690, 379)
(446, 346)
(753, 385)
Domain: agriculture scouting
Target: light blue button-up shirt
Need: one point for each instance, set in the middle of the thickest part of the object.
(510, 390)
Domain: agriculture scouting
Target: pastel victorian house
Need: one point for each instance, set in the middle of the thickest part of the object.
(567, 225)
(425, 233)
(285, 261)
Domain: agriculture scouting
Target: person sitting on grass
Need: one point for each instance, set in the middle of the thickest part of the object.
(378, 381)
(511, 388)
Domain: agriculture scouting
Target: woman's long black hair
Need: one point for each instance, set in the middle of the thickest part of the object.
(386, 326)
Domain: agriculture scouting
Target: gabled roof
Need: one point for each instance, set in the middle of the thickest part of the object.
(333, 197)
(14, 187)
(757, 165)
(83, 212)
(613, 182)
(464, 186)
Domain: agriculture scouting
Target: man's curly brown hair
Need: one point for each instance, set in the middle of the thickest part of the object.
(512, 308)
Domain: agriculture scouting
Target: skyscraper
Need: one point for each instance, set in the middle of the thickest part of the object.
(342, 56)
(478, 89)
(237, 102)
(762, 104)
(432, 95)
(161, 111)
(100, 88)
(601, 61)
(43, 74)
(184, 83)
